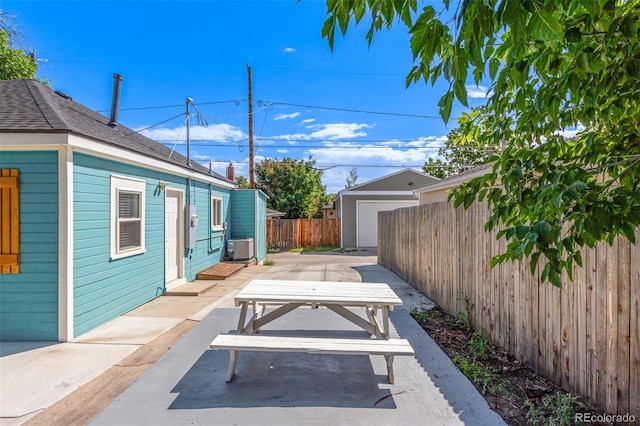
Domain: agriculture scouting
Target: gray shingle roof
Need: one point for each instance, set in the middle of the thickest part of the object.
(30, 106)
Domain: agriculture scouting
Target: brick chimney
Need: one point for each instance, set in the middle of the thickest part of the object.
(231, 173)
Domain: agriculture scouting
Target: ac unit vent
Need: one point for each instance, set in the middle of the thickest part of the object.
(241, 249)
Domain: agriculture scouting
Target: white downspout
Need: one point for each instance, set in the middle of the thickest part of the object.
(341, 222)
(257, 230)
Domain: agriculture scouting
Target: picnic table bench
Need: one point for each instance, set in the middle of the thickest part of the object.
(337, 297)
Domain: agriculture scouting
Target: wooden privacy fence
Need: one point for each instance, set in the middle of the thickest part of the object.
(584, 336)
(285, 234)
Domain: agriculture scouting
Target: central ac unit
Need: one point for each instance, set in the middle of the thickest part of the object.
(241, 249)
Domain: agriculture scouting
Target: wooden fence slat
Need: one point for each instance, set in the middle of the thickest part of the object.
(634, 332)
(622, 348)
(591, 287)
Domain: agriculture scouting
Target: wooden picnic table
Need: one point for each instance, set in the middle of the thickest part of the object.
(335, 296)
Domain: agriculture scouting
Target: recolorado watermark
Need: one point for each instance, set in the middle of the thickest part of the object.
(604, 418)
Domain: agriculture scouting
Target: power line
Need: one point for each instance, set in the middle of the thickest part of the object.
(172, 106)
(269, 104)
(154, 125)
(331, 72)
(233, 144)
(297, 146)
(397, 114)
(391, 166)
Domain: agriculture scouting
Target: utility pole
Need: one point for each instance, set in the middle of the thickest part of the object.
(252, 183)
(189, 100)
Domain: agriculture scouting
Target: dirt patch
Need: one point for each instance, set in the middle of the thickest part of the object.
(513, 390)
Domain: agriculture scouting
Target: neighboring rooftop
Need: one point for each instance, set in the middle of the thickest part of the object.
(30, 106)
(275, 213)
(455, 180)
(404, 179)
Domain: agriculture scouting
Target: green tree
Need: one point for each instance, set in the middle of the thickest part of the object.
(15, 64)
(352, 179)
(242, 182)
(293, 186)
(553, 65)
(455, 157)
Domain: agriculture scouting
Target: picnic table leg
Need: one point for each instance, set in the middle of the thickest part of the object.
(389, 359)
(243, 316)
(233, 357)
(258, 312)
(373, 319)
(385, 321)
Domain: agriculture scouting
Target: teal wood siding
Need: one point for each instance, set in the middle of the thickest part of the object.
(105, 289)
(210, 245)
(245, 205)
(29, 299)
(243, 219)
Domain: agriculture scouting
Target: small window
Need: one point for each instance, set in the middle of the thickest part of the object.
(216, 213)
(127, 217)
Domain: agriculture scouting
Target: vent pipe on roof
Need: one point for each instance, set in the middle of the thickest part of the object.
(115, 100)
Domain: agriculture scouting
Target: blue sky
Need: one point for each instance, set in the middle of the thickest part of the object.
(168, 51)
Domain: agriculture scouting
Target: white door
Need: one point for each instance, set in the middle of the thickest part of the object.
(172, 233)
(367, 219)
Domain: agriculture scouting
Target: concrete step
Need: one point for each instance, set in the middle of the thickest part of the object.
(194, 288)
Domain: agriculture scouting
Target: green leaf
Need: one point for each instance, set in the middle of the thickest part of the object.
(494, 65)
(469, 198)
(557, 201)
(445, 104)
(554, 278)
(573, 35)
(534, 262)
(328, 30)
(461, 92)
(543, 26)
(578, 258)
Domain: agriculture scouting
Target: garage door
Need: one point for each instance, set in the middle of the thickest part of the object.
(367, 219)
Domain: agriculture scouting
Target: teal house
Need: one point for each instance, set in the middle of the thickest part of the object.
(97, 219)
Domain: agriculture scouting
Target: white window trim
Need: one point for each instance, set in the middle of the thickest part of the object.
(219, 227)
(122, 183)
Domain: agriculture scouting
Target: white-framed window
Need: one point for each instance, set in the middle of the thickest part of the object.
(127, 216)
(216, 213)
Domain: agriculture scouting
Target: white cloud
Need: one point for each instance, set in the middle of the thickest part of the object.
(285, 116)
(288, 50)
(308, 120)
(216, 132)
(282, 151)
(331, 131)
(481, 92)
(371, 154)
(421, 142)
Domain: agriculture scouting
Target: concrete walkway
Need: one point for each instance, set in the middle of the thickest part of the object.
(186, 385)
(36, 375)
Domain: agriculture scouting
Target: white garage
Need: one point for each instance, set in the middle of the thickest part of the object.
(358, 206)
(367, 219)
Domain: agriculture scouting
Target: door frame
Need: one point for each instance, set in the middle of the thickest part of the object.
(180, 236)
